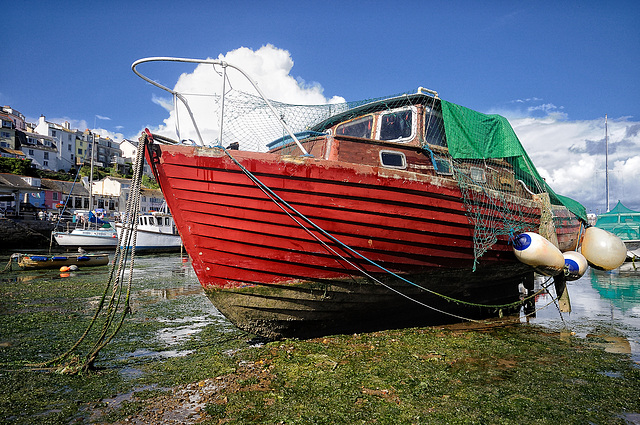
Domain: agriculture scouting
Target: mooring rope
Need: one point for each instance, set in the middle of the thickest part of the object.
(116, 276)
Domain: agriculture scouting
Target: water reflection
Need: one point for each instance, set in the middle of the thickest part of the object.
(621, 288)
(605, 310)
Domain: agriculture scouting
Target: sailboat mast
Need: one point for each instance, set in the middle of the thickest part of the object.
(93, 146)
(606, 159)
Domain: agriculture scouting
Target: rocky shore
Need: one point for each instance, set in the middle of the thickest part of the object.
(25, 234)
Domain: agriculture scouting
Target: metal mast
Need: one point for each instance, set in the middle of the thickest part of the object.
(606, 159)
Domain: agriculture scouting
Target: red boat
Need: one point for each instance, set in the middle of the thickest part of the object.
(397, 212)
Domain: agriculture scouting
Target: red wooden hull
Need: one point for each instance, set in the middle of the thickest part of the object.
(276, 275)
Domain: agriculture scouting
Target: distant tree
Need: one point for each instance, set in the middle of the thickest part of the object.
(149, 182)
(98, 173)
(21, 167)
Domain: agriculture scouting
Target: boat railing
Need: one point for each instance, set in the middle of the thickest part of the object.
(219, 67)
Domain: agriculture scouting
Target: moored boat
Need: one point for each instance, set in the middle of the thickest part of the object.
(155, 232)
(391, 213)
(56, 261)
(90, 238)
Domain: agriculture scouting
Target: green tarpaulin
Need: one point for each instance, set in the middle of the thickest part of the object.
(473, 135)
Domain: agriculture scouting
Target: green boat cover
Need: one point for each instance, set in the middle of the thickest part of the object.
(621, 221)
(473, 135)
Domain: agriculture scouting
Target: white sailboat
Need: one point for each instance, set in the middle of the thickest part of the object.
(90, 236)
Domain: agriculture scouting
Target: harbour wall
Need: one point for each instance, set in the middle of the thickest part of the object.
(25, 234)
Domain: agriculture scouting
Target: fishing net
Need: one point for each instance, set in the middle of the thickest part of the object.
(459, 141)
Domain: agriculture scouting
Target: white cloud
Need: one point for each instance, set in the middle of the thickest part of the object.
(570, 155)
(268, 66)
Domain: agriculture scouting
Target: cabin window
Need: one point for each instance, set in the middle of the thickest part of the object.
(393, 159)
(360, 127)
(166, 221)
(442, 165)
(159, 221)
(434, 133)
(397, 126)
(478, 174)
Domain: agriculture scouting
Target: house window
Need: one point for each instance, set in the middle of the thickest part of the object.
(45, 163)
(46, 155)
(30, 152)
(54, 196)
(53, 133)
(69, 148)
(79, 151)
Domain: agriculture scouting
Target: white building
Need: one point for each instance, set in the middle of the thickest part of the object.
(65, 141)
(129, 150)
(111, 194)
(41, 150)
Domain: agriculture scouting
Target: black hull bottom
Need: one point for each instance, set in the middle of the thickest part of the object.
(313, 309)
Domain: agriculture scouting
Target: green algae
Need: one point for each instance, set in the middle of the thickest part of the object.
(514, 374)
(493, 375)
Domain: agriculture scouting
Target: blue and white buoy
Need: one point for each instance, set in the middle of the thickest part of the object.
(536, 251)
(575, 265)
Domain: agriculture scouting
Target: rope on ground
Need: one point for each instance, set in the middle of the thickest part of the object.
(125, 251)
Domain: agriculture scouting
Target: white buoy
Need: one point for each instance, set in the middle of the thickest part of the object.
(534, 250)
(603, 250)
(575, 265)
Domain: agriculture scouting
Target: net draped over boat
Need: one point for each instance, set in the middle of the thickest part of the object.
(250, 124)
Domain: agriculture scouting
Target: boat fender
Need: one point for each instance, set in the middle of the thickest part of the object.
(64, 268)
(73, 268)
(534, 250)
(603, 250)
(575, 265)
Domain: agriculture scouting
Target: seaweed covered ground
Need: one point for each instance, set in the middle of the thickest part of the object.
(176, 360)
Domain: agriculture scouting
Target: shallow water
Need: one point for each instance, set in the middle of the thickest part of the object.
(605, 308)
(166, 291)
(168, 309)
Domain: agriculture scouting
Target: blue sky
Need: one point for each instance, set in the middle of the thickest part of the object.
(553, 68)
